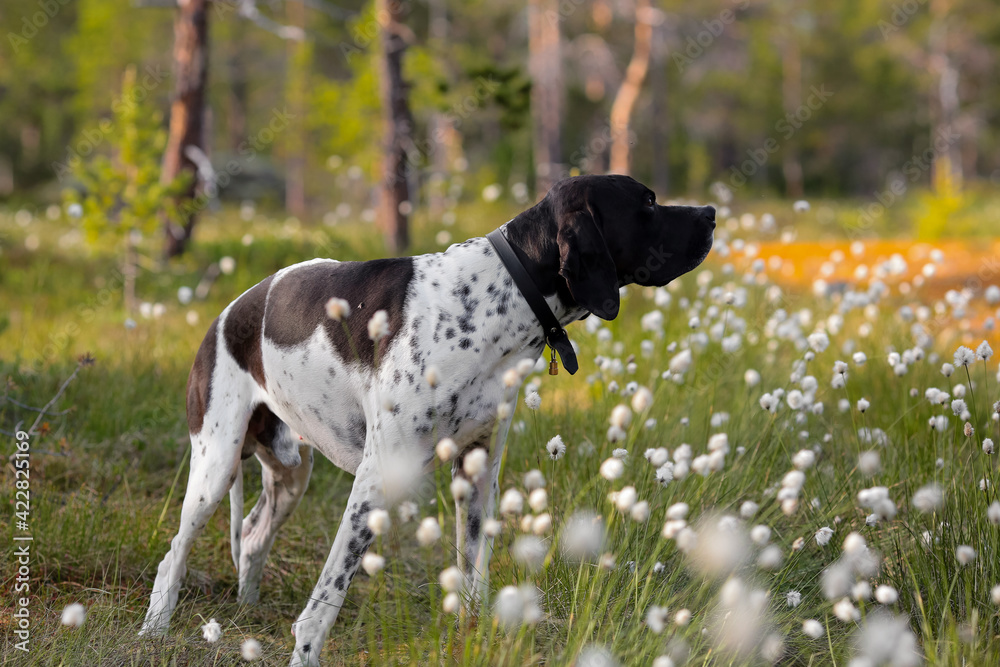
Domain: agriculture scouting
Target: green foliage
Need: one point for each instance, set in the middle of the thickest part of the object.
(121, 188)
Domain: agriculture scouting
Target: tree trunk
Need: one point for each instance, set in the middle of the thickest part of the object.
(545, 68)
(946, 176)
(187, 115)
(397, 121)
(660, 141)
(237, 99)
(628, 93)
(791, 97)
(295, 94)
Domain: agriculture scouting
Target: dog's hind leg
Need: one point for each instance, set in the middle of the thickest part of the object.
(283, 489)
(217, 426)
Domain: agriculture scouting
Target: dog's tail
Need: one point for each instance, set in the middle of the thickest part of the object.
(236, 515)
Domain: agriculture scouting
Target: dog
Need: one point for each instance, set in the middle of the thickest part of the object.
(277, 377)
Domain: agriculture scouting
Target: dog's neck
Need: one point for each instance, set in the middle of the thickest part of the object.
(532, 234)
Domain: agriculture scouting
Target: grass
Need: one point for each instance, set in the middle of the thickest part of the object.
(104, 504)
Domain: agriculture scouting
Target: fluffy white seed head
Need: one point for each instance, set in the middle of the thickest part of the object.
(211, 631)
(338, 309)
(250, 650)
(379, 521)
(74, 615)
(612, 469)
(428, 532)
(372, 563)
(446, 449)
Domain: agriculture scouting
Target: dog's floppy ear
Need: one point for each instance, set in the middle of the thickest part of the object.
(586, 264)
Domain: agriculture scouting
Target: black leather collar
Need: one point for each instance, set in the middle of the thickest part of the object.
(555, 335)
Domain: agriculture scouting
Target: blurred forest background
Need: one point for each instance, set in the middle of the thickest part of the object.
(157, 111)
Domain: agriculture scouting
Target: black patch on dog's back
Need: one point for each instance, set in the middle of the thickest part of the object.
(297, 304)
(242, 330)
(199, 385)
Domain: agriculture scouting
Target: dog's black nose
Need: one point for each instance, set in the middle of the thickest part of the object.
(708, 215)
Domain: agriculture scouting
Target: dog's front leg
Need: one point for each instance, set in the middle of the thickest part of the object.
(482, 507)
(352, 541)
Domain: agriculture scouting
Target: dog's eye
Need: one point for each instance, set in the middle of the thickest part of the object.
(650, 200)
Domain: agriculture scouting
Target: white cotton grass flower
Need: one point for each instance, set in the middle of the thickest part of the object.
(859, 358)
(612, 469)
(885, 639)
(211, 631)
(518, 605)
(338, 309)
(870, 463)
(749, 509)
(596, 656)
(928, 498)
(582, 536)
(512, 502)
(665, 474)
(372, 563)
(965, 555)
(529, 551)
(657, 619)
(474, 463)
(886, 595)
(379, 521)
(378, 325)
(818, 341)
(534, 479)
(74, 615)
(770, 558)
(861, 591)
(863, 405)
(451, 603)
(428, 532)
(432, 376)
(721, 546)
(958, 407)
(804, 459)
(812, 628)
(492, 527)
(984, 351)
(533, 400)
(987, 446)
(993, 513)
(995, 595)
(964, 356)
(538, 500)
(250, 650)
(407, 511)
(640, 511)
(823, 536)
(621, 416)
(793, 598)
(642, 400)
(556, 448)
(947, 370)
(625, 499)
(680, 363)
(751, 377)
(657, 456)
(682, 617)
(760, 535)
(446, 449)
(846, 611)
(451, 579)
(461, 489)
(750, 606)
(678, 511)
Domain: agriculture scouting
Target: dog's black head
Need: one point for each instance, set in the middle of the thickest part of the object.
(611, 232)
